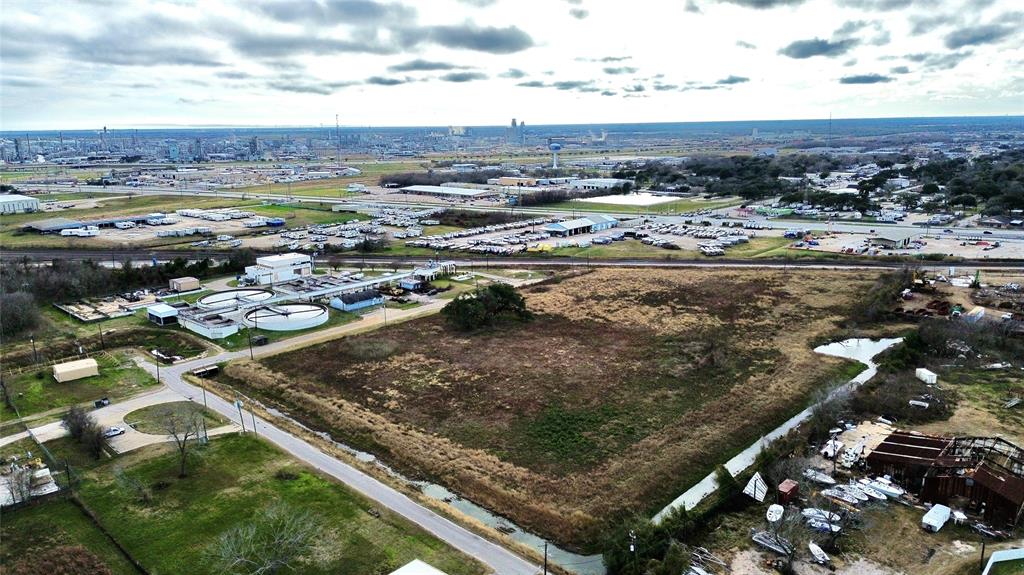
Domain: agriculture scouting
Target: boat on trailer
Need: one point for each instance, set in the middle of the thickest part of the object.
(840, 495)
(815, 513)
(819, 477)
(820, 556)
(772, 542)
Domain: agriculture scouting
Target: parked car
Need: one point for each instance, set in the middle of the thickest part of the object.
(113, 432)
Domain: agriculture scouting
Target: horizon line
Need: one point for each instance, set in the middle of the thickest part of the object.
(409, 126)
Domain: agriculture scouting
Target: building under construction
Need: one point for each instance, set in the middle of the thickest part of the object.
(985, 474)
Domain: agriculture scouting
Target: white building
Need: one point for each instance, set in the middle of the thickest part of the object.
(17, 204)
(280, 268)
(598, 183)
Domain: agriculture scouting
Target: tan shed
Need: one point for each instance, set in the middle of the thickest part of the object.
(184, 284)
(73, 370)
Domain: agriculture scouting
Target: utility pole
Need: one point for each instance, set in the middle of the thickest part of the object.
(35, 356)
(158, 372)
(102, 343)
(545, 558)
(253, 415)
(241, 419)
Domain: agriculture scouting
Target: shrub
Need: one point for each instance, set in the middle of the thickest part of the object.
(486, 307)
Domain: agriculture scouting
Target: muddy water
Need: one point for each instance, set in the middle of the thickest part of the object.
(859, 349)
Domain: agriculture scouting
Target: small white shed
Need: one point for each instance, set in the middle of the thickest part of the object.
(73, 370)
(926, 375)
(936, 517)
(417, 567)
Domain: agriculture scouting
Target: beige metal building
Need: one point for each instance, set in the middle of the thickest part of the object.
(73, 370)
(184, 284)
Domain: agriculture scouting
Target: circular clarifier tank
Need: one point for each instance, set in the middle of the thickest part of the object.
(234, 297)
(286, 316)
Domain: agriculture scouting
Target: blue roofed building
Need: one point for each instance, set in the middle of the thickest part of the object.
(585, 225)
(357, 300)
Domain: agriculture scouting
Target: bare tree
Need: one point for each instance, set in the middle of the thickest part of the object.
(182, 425)
(76, 420)
(20, 484)
(791, 529)
(274, 540)
(133, 485)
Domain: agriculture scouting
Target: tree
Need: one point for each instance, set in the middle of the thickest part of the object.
(182, 425)
(20, 313)
(930, 189)
(76, 421)
(486, 307)
(276, 539)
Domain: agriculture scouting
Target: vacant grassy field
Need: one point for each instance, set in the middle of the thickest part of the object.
(235, 478)
(980, 410)
(626, 389)
(151, 419)
(305, 214)
(36, 390)
(57, 523)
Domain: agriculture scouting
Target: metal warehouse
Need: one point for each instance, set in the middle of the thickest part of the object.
(578, 226)
(449, 192)
(17, 204)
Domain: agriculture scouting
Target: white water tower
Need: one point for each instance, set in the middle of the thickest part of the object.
(555, 147)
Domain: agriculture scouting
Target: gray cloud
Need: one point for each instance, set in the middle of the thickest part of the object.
(479, 3)
(933, 61)
(614, 71)
(692, 7)
(607, 59)
(763, 4)
(482, 39)
(635, 88)
(853, 29)
(883, 5)
(384, 81)
(899, 70)
(865, 79)
(746, 45)
(607, 93)
(579, 13)
(976, 35)
(323, 89)
(665, 87)
(920, 24)
(335, 11)
(233, 75)
(732, 80)
(421, 65)
(571, 84)
(513, 73)
(817, 47)
(532, 84)
(463, 76)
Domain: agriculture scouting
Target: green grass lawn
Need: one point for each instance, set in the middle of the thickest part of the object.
(240, 340)
(623, 249)
(1008, 568)
(677, 206)
(40, 528)
(236, 477)
(150, 419)
(327, 188)
(36, 390)
(296, 215)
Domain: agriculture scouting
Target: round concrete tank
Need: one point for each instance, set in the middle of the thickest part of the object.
(286, 316)
(234, 297)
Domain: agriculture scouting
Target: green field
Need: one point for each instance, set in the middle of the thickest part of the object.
(306, 214)
(36, 391)
(234, 478)
(150, 419)
(57, 523)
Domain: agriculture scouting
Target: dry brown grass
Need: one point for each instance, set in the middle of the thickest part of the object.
(627, 388)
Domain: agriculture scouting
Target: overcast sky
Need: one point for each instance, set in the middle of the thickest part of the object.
(67, 64)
